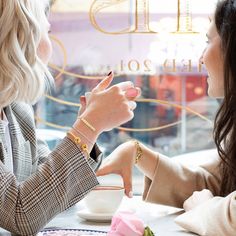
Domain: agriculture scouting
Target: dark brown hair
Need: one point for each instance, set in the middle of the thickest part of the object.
(225, 121)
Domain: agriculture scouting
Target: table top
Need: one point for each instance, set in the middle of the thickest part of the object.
(158, 217)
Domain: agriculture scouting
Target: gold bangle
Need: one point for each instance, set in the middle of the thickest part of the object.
(139, 151)
(84, 147)
(88, 124)
(77, 141)
(74, 138)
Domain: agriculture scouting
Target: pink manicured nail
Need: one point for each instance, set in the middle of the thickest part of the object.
(132, 92)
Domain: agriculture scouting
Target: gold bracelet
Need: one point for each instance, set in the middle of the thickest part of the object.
(77, 141)
(88, 124)
(139, 151)
(83, 135)
(84, 147)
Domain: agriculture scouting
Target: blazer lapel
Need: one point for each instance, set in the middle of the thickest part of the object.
(2, 142)
(21, 153)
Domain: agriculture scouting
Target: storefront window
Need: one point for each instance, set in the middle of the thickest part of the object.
(154, 43)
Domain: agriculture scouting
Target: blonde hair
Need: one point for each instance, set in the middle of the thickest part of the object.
(23, 76)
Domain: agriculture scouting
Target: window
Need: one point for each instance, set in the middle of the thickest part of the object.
(154, 43)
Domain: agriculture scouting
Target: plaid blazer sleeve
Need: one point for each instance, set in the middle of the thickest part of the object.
(62, 180)
(95, 154)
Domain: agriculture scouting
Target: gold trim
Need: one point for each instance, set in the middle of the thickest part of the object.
(189, 110)
(61, 45)
(61, 101)
(62, 70)
(42, 121)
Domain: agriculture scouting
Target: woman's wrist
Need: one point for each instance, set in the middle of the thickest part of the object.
(137, 153)
(91, 120)
(132, 150)
(81, 127)
(80, 141)
(142, 157)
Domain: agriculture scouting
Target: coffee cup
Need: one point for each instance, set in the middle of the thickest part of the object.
(104, 199)
(127, 87)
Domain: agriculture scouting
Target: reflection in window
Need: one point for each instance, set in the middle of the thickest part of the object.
(164, 64)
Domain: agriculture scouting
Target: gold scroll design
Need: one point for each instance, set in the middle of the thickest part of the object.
(141, 6)
(96, 7)
(62, 70)
(184, 13)
(145, 100)
(142, 21)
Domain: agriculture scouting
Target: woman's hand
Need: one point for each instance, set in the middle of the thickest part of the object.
(121, 162)
(108, 108)
(82, 104)
(197, 198)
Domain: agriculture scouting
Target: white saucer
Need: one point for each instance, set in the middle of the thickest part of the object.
(95, 217)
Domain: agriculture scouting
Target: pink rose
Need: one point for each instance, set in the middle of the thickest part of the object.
(126, 223)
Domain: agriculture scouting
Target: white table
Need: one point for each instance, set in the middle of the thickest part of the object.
(160, 218)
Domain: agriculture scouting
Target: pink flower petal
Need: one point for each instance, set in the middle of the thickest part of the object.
(126, 223)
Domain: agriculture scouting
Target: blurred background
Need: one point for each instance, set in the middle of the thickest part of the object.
(154, 43)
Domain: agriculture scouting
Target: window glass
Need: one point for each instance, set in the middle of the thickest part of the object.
(155, 44)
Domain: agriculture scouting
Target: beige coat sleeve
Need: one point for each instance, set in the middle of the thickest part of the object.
(215, 217)
(174, 182)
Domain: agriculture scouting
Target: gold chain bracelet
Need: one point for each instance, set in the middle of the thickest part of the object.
(139, 151)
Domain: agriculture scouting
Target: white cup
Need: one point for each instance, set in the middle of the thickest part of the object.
(104, 199)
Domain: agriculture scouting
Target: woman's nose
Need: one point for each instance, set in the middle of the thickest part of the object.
(201, 59)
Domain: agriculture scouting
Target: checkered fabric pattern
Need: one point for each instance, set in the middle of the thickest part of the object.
(44, 183)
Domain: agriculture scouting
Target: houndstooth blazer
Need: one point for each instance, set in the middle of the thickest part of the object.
(44, 183)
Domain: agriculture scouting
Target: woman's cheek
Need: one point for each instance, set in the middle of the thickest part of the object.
(45, 50)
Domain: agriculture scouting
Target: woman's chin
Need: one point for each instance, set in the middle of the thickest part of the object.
(213, 94)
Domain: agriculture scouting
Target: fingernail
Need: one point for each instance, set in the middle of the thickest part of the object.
(132, 92)
(82, 99)
(109, 73)
(130, 194)
(87, 96)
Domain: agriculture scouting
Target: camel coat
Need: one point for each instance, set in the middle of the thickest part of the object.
(174, 182)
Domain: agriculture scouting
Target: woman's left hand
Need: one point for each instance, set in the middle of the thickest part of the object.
(121, 162)
(82, 104)
(197, 198)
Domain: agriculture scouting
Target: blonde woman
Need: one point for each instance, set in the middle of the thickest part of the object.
(207, 193)
(36, 184)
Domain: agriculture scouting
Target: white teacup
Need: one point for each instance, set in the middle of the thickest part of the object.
(124, 86)
(104, 199)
